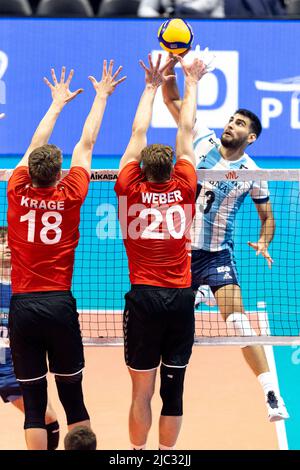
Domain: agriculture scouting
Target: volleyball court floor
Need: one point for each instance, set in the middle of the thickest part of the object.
(223, 404)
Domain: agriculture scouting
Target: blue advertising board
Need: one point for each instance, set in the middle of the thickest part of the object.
(256, 68)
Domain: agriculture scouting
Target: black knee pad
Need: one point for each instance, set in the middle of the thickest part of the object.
(52, 435)
(171, 390)
(35, 403)
(70, 394)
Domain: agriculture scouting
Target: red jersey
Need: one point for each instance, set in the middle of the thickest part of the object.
(43, 230)
(155, 220)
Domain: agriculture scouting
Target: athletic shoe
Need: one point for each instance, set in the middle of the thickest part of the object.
(205, 295)
(276, 407)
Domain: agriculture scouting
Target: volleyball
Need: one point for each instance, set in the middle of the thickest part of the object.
(175, 35)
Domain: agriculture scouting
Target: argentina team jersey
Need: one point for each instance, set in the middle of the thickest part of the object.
(219, 201)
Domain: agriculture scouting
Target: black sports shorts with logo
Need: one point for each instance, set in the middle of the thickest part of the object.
(159, 325)
(213, 268)
(41, 324)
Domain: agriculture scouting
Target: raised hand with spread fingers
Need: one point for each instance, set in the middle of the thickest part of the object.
(61, 95)
(82, 154)
(108, 83)
(154, 73)
(60, 91)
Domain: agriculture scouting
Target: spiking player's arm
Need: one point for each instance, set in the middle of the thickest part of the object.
(267, 231)
(154, 78)
(82, 154)
(170, 91)
(61, 95)
(184, 140)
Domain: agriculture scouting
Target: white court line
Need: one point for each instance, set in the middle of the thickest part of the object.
(280, 425)
(120, 312)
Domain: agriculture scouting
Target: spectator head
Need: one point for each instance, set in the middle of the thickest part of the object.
(80, 438)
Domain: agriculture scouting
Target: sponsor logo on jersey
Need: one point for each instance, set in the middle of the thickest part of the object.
(231, 175)
(212, 142)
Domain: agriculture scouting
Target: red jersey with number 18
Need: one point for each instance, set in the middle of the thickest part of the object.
(155, 220)
(43, 230)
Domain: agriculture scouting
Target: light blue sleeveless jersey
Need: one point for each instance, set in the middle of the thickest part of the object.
(219, 201)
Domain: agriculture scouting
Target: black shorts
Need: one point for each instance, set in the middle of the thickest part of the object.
(42, 323)
(159, 324)
(213, 268)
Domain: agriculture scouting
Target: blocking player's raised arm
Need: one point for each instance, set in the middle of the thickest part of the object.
(82, 154)
(154, 78)
(61, 95)
(184, 140)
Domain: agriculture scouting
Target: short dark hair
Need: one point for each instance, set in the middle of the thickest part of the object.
(256, 126)
(157, 160)
(80, 438)
(3, 231)
(44, 165)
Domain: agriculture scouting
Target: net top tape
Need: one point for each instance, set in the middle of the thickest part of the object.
(204, 175)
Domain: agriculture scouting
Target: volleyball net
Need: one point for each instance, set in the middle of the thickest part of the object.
(270, 296)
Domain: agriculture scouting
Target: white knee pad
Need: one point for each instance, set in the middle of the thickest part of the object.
(240, 324)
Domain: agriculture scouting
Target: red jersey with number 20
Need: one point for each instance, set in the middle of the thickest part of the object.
(155, 220)
(43, 230)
